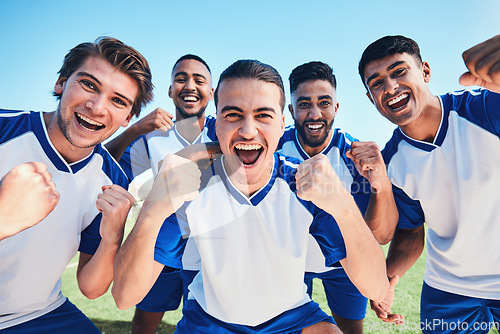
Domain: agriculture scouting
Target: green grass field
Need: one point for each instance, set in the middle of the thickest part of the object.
(110, 320)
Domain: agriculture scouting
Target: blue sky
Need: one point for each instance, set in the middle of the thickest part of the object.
(35, 36)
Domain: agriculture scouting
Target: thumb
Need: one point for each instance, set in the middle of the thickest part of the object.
(394, 281)
(468, 79)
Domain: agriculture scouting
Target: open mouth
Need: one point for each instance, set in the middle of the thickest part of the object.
(399, 102)
(315, 127)
(248, 153)
(88, 124)
(190, 98)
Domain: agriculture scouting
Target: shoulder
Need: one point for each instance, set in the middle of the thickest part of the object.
(111, 168)
(391, 147)
(14, 123)
(287, 136)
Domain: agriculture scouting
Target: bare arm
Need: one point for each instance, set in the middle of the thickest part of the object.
(483, 62)
(95, 272)
(31, 184)
(382, 214)
(157, 119)
(364, 264)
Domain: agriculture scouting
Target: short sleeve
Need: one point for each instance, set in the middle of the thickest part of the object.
(91, 237)
(327, 233)
(410, 211)
(135, 159)
(171, 242)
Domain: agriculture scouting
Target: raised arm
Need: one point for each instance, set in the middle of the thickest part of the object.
(382, 214)
(365, 263)
(483, 62)
(178, 181)
(27, 196)
(158, 119)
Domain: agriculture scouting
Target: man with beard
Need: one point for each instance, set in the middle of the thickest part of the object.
(250, 215)
(444, 155)
(64, 191)
(313, 108)
(151, 139)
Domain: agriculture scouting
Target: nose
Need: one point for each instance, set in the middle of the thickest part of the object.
(248, 128)
(97, 105)
(314, 112)
(189, 85)
(391, 85)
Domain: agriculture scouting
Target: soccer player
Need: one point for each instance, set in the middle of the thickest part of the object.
(251, 220)
(101, 85)
(313, 108)
(191, 91)
(444, 155)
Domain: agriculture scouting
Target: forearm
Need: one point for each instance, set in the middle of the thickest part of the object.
(405, 249)
(382, 214)
(134, 268)
(365, 263)
(95, 273)
(118, 145)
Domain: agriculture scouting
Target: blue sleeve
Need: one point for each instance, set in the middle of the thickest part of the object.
(171, 242)
(361, 191)
(135, 160)
(91, 237)
(325, 230)
(410, 211)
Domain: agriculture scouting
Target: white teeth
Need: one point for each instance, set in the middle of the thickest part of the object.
(248, 147)
(397, 99)
(88, 120)
(314, 126)
(189, 98)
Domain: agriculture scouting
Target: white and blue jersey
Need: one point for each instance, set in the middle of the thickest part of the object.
(335, 151)
(148, 150)
(452, 184)
(253, 250)
(32, 261)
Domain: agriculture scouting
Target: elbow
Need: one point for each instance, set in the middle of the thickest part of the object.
(383, 238)
(91, 293)
(120, 299)
(376, 294)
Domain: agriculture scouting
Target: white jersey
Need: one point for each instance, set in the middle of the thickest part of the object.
(253, 250)
(452, 184)
(148, 150)
(344, 167)
(32, 261)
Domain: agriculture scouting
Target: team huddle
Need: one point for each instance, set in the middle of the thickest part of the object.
(243, 213)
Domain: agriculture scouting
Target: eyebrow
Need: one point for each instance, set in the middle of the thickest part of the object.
(307, 98)
(390, 67)
(194, 75)
(86, 74)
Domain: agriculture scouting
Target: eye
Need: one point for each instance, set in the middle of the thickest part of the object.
(263, 116)
(232, 115)
(325, 103)
(119, 101)
(376, 84)
(399, 72)
(180, 80)
(88, 84)
(200, 82)
(304, 105)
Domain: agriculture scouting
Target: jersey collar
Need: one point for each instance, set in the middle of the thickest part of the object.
(325, 151)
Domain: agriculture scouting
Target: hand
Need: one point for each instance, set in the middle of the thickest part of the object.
(317, 182)
(383, 308)
(483, 62)
(370, 163)
(158, 119)
(27, 196)
(114, 203)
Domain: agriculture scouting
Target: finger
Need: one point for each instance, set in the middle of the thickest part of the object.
(469, 79)
(200, 151)
(37, 166)
(379, 311)
(103, 205)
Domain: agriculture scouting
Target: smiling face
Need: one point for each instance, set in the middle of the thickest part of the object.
(96, 100)
(397, 85)
(250, 123)
(191, 88)
(314, 107)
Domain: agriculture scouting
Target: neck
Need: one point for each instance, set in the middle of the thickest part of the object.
(312, 151)
(189, 128)
(426, 126)
(68, 151)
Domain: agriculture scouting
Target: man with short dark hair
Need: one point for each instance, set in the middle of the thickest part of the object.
(313, 107)
(250, 215)
(101, 85)
(444, 155)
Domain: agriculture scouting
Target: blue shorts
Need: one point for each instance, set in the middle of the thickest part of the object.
(166, 293)
(196, 320)
(67, 318)
(344, 299)
(445, 312)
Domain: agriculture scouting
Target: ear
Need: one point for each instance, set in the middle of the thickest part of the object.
(59, 86)
(127, 120)
(170, 91)
(290, 108)
(336, 109)
(282, 124)
(370, 97)
(426, 70)
(211, 94)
